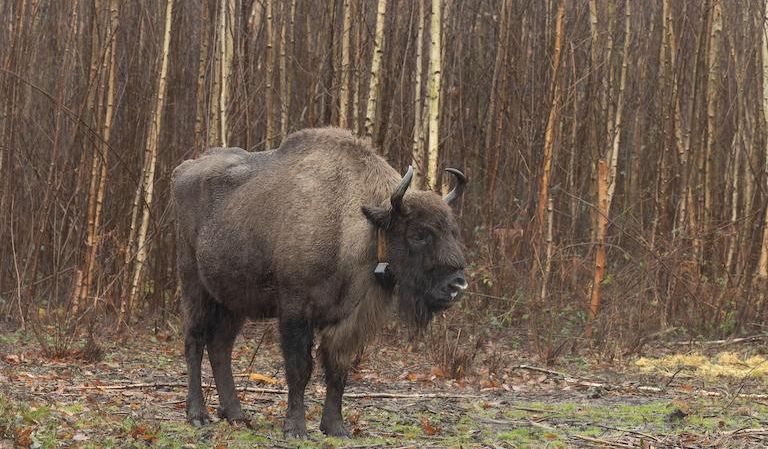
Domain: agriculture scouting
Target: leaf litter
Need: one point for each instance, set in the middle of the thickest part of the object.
(397, 397)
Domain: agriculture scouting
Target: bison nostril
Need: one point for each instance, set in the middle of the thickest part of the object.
(458, 283)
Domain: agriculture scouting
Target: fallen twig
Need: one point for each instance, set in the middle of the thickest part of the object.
(748, 431)
(126, 386)
(603, 442)
(632, 388)
(630, 431)
(726, 341)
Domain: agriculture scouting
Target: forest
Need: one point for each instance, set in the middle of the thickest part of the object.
(616, 151)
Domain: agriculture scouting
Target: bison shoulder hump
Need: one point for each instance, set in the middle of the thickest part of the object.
(220, 166)
(323, 139)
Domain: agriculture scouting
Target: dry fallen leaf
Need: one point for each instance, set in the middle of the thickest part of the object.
(256, 377)
(23, 437)
(437, 372)
(429, 429)
(13, 359)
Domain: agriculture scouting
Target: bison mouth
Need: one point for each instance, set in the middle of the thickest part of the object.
(442, 296)
(419, 306)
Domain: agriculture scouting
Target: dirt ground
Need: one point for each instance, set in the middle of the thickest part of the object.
(684, 396)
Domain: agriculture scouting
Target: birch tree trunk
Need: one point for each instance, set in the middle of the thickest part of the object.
(226, 49)
(618, 114)
(762, 265)
(214, 114)
(602, 226)
(606, 175)
(549, 133)
(660, 223)
(736, 152)
(713, 79)
(357, 69)
(268, 112)
(435, 72)
(373, 85)
(150, 159)
(200, 109)
(345, 65)
(285, 85)
(417, 145)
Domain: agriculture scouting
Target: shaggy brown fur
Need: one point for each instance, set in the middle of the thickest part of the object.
(291, 233)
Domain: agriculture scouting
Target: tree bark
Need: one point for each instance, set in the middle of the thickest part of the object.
(200, 109)
(602, 225)
(619, 109)
(713, 80)
(345, 65)
(762, 265)
(435, 72)
(417, 143)
(226, 50)
(285, 85)
(554, 110)
(269, 107)
(373, 85)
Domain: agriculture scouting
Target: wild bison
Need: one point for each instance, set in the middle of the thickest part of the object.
(297, 233)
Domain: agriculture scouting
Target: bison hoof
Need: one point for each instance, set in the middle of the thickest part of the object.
(198, 420)
(294, 430)
(334, 429)
(234, 417)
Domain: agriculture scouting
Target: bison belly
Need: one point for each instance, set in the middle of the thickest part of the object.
(236, 275)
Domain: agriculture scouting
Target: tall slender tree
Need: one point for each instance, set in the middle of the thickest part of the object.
(344, 67)
(269, 138)
(762, 265)
(373, 85)
(435, 73)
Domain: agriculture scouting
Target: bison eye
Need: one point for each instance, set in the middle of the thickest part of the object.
(419, 237)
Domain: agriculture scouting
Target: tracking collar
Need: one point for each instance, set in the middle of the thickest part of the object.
(383, 274)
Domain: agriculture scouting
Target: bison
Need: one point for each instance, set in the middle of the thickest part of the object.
(320, 233)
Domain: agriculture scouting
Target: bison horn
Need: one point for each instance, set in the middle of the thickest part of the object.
(397, 198)
(461, 181)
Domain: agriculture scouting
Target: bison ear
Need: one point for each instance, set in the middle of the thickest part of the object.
(379, 216)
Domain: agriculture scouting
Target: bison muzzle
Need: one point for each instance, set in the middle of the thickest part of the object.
(297, 233)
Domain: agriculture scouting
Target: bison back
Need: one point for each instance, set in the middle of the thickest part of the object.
(287, 219)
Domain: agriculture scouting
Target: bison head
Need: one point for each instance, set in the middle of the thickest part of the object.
(423, 248)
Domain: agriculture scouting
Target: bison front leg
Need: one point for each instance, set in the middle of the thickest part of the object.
(332, 423)
(296, 337)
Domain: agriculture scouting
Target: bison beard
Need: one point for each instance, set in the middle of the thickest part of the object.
(291, 233)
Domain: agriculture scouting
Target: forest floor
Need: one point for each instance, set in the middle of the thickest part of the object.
(686, 396)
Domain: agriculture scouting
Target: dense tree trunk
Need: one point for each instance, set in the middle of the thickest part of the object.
(269, 139)
(762, 265)
(435, 73)
(202, 141)
(344, 67)
(373, 85)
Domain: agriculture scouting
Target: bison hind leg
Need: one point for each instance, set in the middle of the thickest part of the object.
(197, 305)
(225, 327)
(194, 344)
